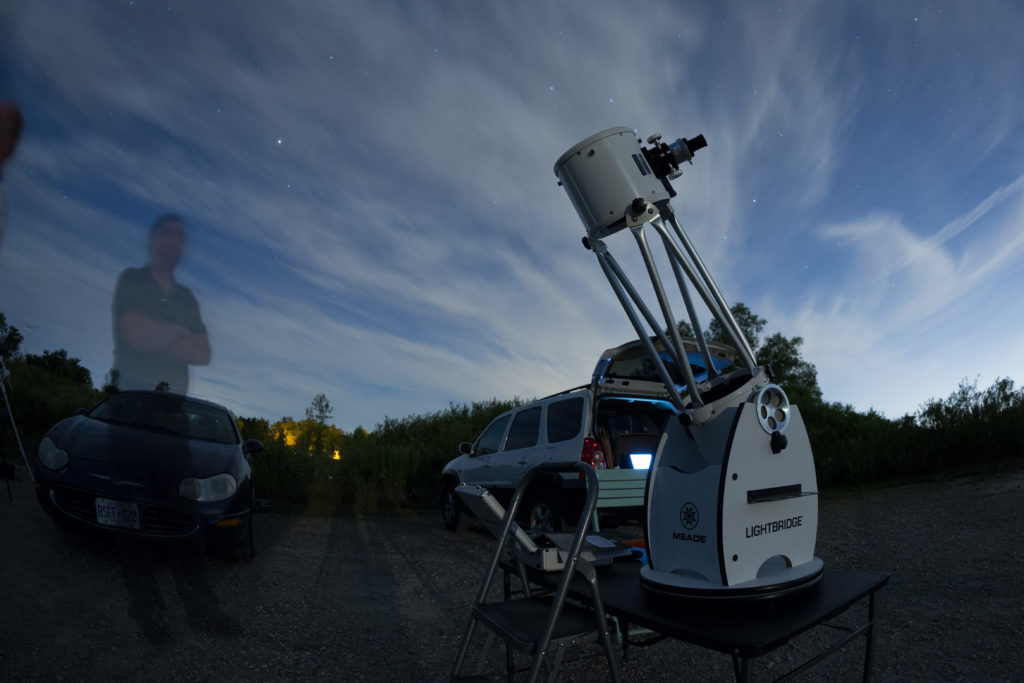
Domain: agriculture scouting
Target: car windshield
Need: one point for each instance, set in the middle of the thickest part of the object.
(169, 413)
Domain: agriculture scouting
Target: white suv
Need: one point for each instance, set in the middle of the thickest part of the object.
(614, 422)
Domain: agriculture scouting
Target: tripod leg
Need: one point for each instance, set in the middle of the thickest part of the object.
(14, 426)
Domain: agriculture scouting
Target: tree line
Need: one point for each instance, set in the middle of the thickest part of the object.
(312, 466)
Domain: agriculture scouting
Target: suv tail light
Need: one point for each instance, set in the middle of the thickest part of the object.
(592, 455)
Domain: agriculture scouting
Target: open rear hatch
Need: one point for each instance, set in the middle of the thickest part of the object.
(627, 369)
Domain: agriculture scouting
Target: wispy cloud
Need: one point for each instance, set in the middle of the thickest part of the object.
(916, 312)
(372, 206)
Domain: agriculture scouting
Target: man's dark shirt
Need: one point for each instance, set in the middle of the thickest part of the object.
(136, 291)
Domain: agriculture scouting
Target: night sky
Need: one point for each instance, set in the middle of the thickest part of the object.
(372, 212)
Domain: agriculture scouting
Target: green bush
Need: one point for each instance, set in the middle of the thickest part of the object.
(969, 432)
(398, 464)
(38, 400)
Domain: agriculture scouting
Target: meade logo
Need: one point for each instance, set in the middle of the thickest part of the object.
(689, 515)
(693, 538)
(772, 527)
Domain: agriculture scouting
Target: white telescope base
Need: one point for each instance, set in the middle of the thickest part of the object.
(775, 579)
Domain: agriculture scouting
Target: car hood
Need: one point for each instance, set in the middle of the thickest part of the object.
(132, 452)
(455, 464)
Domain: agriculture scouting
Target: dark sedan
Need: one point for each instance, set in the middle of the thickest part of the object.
(154, 465)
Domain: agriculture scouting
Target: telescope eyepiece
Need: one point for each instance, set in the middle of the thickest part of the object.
(665, 159)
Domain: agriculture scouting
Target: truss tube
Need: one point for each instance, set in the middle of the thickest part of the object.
(676, 255)
(720, 307)
(698, 333)
(651, 320)
(666, 309)
(605, 260)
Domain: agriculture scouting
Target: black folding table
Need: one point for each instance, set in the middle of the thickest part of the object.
(744, 630)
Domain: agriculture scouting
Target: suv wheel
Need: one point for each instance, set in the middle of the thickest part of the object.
(543, 513)
(451, 508)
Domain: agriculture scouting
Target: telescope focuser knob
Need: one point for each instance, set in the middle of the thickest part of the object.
(779, 442)
(653, 138)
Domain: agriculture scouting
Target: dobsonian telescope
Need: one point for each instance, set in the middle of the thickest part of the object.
(731, 507)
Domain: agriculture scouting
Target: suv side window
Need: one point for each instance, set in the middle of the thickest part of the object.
(564, 419)
(525, 429)
(490, 440)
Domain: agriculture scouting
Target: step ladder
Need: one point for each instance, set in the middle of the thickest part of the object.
(541, 626)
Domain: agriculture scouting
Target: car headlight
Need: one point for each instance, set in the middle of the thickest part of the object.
(51, 457)
(211, 489)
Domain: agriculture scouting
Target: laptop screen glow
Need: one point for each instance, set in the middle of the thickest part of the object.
(640, 461)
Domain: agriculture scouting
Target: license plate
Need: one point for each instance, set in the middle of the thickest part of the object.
(117, 513)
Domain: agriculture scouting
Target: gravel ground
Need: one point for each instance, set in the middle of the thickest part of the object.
(386, 598)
